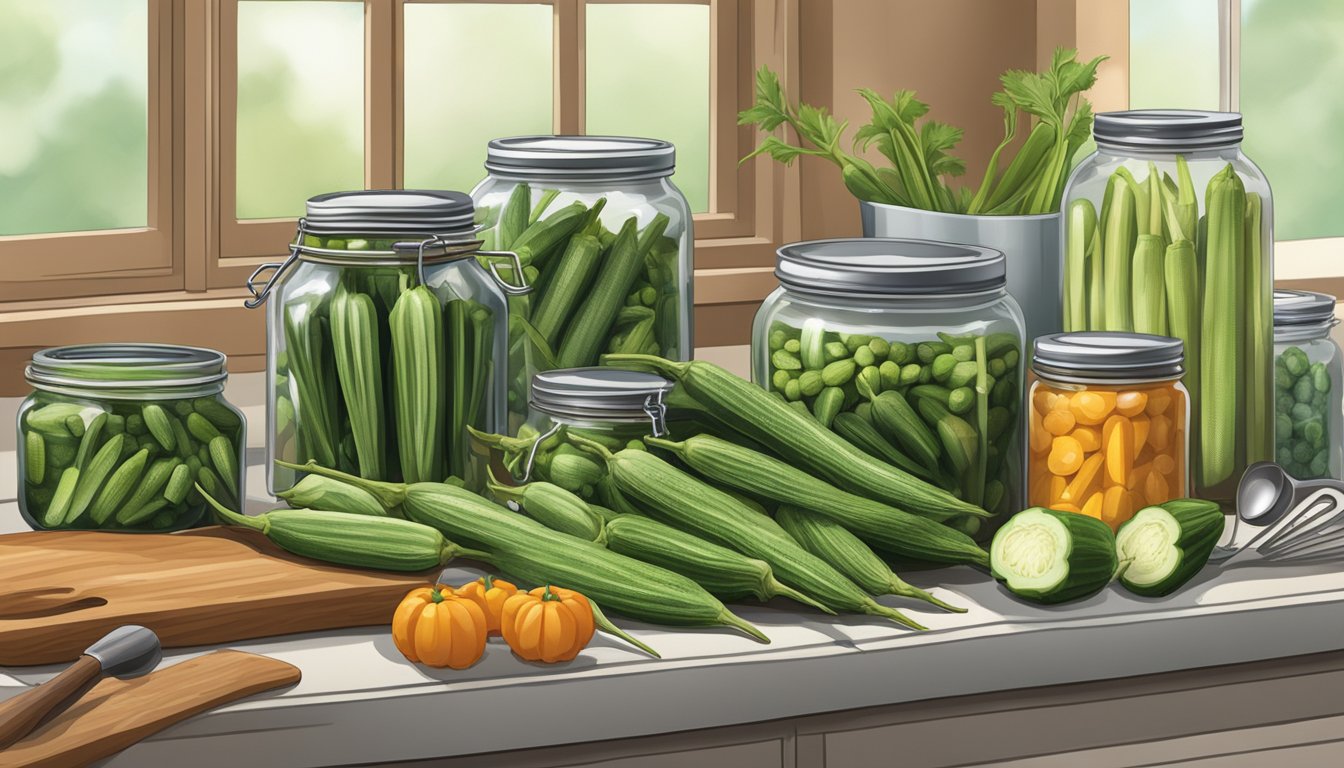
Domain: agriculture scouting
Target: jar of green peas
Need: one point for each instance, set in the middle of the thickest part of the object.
(1308, 408)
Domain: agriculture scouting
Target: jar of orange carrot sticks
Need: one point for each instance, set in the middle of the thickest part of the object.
(1108, 424)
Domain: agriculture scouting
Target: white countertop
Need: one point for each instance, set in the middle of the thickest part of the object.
(361, 702)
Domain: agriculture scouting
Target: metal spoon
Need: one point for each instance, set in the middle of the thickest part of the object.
(128, 651)
(1299, 519)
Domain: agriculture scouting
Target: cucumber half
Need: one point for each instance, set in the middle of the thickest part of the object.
(1047, 556)
(1164, 546)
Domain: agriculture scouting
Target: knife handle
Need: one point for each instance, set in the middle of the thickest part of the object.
(20, 715)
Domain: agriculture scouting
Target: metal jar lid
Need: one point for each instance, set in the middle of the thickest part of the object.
(581, 158)
(127, 367)
(411, 212)
(859, 266)
(599, 394)
(1166, 129)
(1106, 356)
(1303, 308)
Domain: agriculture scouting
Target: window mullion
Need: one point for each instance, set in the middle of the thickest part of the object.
(382, 59)
(569, 66)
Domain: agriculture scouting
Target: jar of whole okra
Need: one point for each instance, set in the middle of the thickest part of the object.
(1308, 405)
(606, 238)
(1168, 230)
(1107, 434)
(116, 437)
(384, 336)
(611, 406)
(910, 349)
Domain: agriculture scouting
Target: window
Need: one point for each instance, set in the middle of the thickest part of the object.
(85, 158)
(1279, 64)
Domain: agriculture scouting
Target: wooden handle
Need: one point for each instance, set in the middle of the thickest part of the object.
(21, 714)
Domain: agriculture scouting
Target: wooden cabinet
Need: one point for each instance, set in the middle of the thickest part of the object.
(1287, 713)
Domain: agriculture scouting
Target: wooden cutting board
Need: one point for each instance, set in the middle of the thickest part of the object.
(118, 713)
(62, 590)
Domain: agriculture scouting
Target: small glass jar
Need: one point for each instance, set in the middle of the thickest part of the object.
(854, 319)
(1108, 424)
(1168, 230)
(541, 197)
(116, 436)
(611, 406)
(1308, 405)
(379, 282)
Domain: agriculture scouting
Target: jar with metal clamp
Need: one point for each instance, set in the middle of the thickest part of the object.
(384, 331)
(614, 407)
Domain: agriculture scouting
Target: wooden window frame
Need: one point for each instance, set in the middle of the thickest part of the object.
(149, 258)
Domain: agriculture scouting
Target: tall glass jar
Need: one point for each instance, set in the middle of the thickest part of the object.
(1168, 230)
(117, 436)
(383, 334)
(928, 328)
(1308, 405)
(606, 237)
(1107, 435)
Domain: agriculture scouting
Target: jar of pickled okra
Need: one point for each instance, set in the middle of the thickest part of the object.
(928, 330)
(116, 437)
(1308, 405)
(385, 328)
(606, 237)
(1168, 230)
(1107, 434)
(611, 406)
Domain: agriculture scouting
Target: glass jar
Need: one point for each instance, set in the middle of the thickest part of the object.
(542, 196)
(614, 407)
(931, 323)
(1108, 418)
(1203, 275)
(382, 338)
(116, 436)
(1308, 406)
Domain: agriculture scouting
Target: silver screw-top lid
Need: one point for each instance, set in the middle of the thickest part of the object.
(395, 212)
(1103, 356)
(856, 266)
(581, 158)
(1303, 308)
(125, 366)
(1166, 129)
(598, 394)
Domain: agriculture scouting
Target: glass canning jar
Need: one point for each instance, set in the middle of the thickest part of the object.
(930, 323)
(562, 203)
(1308, 406)
(611, 406)
(1168, 230)
(116, 436)
(383, 333)
(1108, 416)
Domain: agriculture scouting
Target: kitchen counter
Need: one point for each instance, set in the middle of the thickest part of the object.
(360, 702)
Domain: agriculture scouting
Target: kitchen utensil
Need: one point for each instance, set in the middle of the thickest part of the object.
(118, 713)
(62, 590)
(124, 652)
(1300, 521)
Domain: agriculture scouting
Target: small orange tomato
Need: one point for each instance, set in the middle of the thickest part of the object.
(547, 624)
(489, 593)
(440, 628)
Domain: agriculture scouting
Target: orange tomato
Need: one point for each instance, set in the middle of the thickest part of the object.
(489, 593)
(438, 627)
(548, 624)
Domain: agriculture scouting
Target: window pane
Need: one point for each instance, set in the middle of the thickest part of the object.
(74, 79)
(474, 72)
(1173, 54)
(300, 103)
(1292, 67)
(648, 75)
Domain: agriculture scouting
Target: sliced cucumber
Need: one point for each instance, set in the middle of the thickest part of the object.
(1164, 546)
(1052, 557)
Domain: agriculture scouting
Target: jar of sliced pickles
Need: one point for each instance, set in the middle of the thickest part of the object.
(909, 349)
(117, 437)
(1308, 408)
(1108, 424)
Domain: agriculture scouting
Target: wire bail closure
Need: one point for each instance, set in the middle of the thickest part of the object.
(259, 296)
